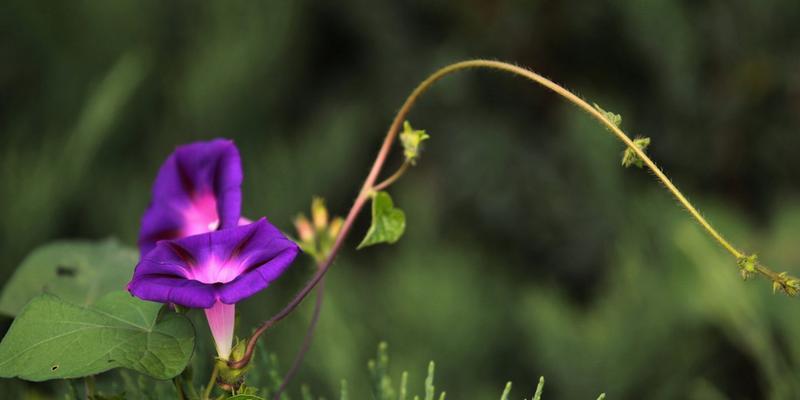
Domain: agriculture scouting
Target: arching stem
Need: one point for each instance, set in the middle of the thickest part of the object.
(369, 183)
(309, 337)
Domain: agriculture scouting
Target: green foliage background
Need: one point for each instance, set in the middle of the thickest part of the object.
(528, 251)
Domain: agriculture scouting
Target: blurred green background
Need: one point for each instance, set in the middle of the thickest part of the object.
(529, 251)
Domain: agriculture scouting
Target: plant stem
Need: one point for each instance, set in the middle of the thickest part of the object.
(572, 98)
(390, 180)
(211, 382)
(298, 360)
(179, 387)
(358, 204)
(369, 183)
(89, 385)
(193, 391)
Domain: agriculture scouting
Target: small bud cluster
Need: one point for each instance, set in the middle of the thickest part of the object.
(747, 265)
(787, 284)
(411, 140)
(615, 119)
(316, 237)
(629, 157)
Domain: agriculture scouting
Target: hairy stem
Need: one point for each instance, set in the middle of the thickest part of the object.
(369, 183)
(298, 359)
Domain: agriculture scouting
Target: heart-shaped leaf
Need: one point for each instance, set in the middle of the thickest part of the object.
(388, 222)
(78, 272)
(53, 339)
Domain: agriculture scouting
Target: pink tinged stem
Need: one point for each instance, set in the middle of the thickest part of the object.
(221, 318)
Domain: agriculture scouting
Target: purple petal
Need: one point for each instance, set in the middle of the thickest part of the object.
(255, 279)
(197, 190)
(226, 265)
(167, 289)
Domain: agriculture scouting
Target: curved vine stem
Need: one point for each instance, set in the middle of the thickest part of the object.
(309, 337)
(392, 179)
(369, 183)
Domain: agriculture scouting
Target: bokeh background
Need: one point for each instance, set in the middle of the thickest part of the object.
(529, 250)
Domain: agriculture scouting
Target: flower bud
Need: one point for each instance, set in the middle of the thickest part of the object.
(304, 229)
(319, 213)
(335, 227)
(412, 139)
(233, 376)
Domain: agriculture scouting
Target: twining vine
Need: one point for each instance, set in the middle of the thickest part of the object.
(634, 155)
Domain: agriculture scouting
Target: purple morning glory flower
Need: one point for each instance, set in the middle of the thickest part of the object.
(197, 190)
(196, 250)
(214, 270)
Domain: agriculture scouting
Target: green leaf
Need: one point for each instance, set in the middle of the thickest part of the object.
(343, 391)
(245, 397)
(412, 139)
(537, 395)
(78, 272)
(305, 392)
(100, 396)
(429, 389)
(388, 222)
(506, 391)
(403, 386)
(382, 388)
(53, 339)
